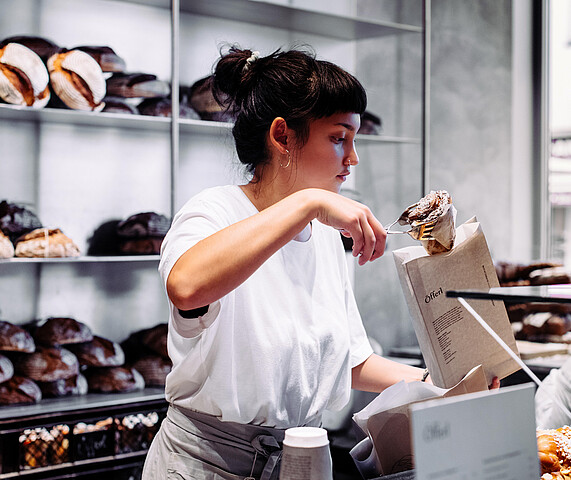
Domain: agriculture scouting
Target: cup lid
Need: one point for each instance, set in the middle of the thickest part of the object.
(306, 437)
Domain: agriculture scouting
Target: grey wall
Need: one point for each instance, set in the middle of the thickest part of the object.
(470, 141)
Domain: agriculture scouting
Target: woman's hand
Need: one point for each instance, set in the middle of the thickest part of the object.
(352, 219)
(495, 384)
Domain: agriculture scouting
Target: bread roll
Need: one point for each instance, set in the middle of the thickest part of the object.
(77, 80)
(554, 450)
(17, 220)
(99, 352)
(46, 243)
(19, 390)
(48, 364)
(62, 331)
(23, 77)
(114, 379)
(15, 339)
(6, 247)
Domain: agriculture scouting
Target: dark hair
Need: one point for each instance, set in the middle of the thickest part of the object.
(290, 84)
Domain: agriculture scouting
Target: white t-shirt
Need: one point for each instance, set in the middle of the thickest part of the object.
(277, 350)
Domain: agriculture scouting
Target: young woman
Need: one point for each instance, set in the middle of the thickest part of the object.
(264, 331)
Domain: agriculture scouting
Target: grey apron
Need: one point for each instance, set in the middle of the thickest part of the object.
(192, 445)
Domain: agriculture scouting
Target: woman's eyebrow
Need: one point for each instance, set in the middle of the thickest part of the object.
(346, 125)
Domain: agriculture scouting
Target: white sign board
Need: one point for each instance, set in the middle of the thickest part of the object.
(477, 436)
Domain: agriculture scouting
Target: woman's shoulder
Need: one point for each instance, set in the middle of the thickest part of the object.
(227, 200)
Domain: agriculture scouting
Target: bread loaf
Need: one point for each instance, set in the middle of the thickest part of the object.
(6, 369)
(75, 385)
(199, 97)
(162, 107)
(23, 77)
(135, 85)
(62, 331)
(154, 369)
(15, 339)
(99, 352)
(19, 390)
(46, 243)
(17, 220)
(6, 247)
(119, 105)
(105, 56)
(77, 80)
(114, 379)
(41, 46)
(48, 364)
(142, 225)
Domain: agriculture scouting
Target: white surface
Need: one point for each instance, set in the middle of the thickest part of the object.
(306, 437)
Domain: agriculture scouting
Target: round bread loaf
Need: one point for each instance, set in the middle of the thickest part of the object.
(19, 390)
(6, 246)
(43, 47)
(48, 364)
(140, 246)
(105, 56)
(143, 225)
(6, 369)
(114, 379)
(99, 352)
(154, 369)
(15, 339)
(45, 243)
(76, 385)
(155, 338)
(62, 331)
(16, 220)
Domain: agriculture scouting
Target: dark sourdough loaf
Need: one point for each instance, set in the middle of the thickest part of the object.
(99, 352)
(19, 390)
(47, 364)
(114, 379)
(62, 331)
(15, 339)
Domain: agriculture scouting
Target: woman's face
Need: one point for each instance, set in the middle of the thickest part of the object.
(325, 160)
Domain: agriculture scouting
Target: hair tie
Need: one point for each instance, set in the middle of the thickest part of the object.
(255, 55)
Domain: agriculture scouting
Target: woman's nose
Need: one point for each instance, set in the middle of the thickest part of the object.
(352, 159)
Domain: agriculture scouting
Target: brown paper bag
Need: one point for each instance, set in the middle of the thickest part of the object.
(451, 340)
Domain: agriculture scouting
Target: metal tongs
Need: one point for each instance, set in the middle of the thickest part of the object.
(421, 231)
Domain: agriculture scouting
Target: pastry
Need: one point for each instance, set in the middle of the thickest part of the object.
(6, 247)
(15, 339)
(6, 369)
(41, 46)
(16, 220)
(62, 331)
(47, 364)
(99, 352)
(77, 80)
(162, 107)
(75, 385)
(199, 97)
(554, 449)
(514, 272)
(46, 243)
(105, 56)
(19, 390)
(114, 379)
(133, 85)
(23, 77)
(154, 369)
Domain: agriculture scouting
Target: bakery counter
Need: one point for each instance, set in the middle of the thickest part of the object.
(80, 435)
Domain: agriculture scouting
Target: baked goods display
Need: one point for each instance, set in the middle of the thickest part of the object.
(118, 105)
(17, 220)
(23, 77)
(47, 364)
(43, 47)
(105, 56)
(154, 369)
(6, 369)
(6, 247)
(554, 450)
(61, 331)
(74, 385)
(41, 446)
(137, 85)
(14, 338)
(19, 391)
(114, 379)
(162, 107)
(46, 243)
(200, 99)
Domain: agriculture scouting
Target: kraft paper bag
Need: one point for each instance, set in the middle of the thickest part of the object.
(451, 340)
(386, 421)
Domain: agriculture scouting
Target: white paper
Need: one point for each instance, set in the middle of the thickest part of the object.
(478, 436)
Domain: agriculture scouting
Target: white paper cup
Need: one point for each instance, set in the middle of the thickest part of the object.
(306, 455)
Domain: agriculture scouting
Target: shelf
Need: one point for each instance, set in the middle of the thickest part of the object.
(297, 19)
(84, 259)
(76, 117)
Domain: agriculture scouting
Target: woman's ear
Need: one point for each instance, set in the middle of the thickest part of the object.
(279, 135)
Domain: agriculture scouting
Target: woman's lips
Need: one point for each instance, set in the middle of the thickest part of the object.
(343, 175)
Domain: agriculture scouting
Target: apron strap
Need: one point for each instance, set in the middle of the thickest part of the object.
(269, 447)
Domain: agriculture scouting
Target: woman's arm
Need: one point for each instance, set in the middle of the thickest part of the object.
(377, 373)
(219, 263)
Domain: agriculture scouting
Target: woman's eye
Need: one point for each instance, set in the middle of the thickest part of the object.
(338, 139)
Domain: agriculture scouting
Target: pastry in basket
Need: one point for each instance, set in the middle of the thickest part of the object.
(19, 390)
(76, 385)
(105, 56)
(77, 80)
(47, 364)
(15, 339)
(554, 449)
(46, 243)
(43, 47)
(6, 247)
(6, 369)
(114, 379)
(133, 85)
(23, 77)
(17, 220)
(62, 331)
(99, 352)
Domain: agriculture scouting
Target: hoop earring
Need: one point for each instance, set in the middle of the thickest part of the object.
(288, 160)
